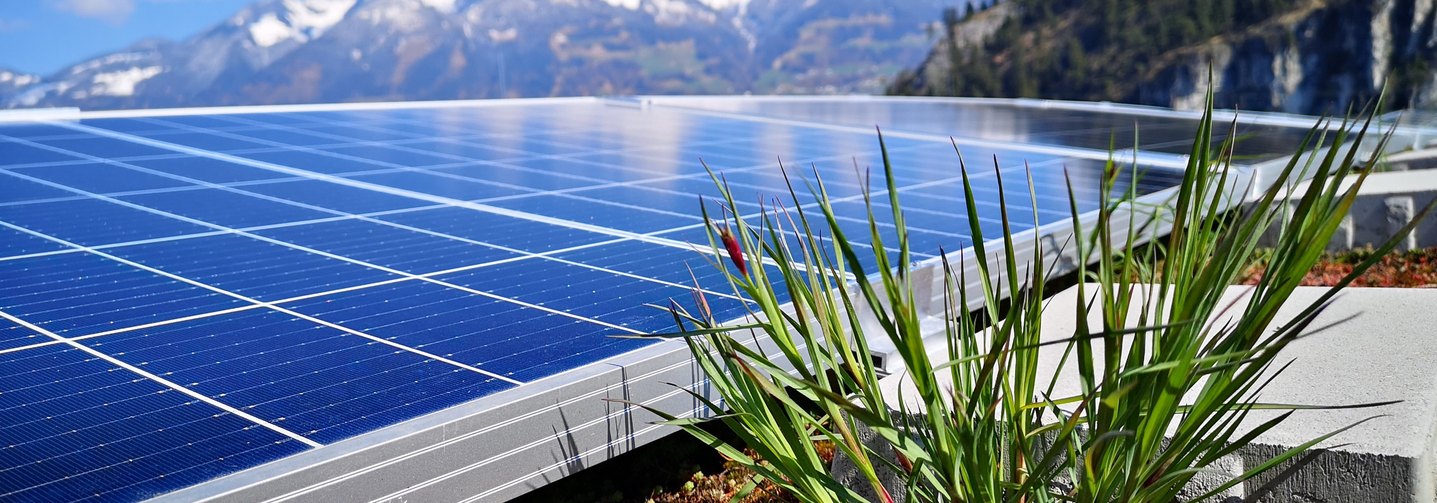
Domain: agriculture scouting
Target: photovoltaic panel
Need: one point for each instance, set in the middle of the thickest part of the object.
(390, 245)
(251, 267)
(201, 293)
(508, 339)
(335, 197)
(17, 190)
(100, 178)
(93, 222)
(1055, 123)
(297, 374)
(464, 190)
(76, 294)
(496, 229)
(77, 429)
(206, 169)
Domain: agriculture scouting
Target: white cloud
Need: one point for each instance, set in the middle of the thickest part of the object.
(110, 11)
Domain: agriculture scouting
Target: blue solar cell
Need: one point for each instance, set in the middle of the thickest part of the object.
(225, 208)
(410, 251)
(13, 335)
(631, 210)
(537, 179)
(80, 428)
(311, 161)
(14, 189)
(697, 185)
(251, 267)
(336, 196)
(107, 148)
(427, 183)
(358, 133)
(24, 130)
(93, 222)
(289, 136)
(520, 342)
(609, 173)
(769, 182)
(314, 380)
(495, 229)
(467, 149)
(131, 126)
(386, 156)
(674, 265)
(209, 141)
(75, 294)
(594, 294)
(209, 170)
(12, 153)
(13, 243)
(211, 121)
(101, 178)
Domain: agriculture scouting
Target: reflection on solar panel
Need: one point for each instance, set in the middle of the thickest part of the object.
(417, 301)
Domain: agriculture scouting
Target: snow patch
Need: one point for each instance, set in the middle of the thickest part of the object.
(725, 4)
(445, 6)
(269, 30)
(301, 20)
(123, 57)
(314, 17)
(122, 83)
(17, 79)
(32, 96)
(627, 4)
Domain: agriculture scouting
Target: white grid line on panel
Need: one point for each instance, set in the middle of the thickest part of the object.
(253, 228)
(580, 158)
(261, 303)
(522, 215)
(147, 375)
(339, 215)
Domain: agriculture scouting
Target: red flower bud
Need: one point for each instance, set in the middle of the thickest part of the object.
(903, 461)
(734, 252)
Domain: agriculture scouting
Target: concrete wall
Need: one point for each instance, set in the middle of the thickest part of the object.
(1387, 202)
(1369, 345)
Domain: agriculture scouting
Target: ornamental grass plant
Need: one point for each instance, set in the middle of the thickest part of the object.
(1163, 389)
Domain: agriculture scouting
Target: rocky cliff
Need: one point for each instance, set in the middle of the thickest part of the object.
(1313, 56)
(1318, 59)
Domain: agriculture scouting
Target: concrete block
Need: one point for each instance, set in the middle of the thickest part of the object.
(1399, 213)
(1388, 201)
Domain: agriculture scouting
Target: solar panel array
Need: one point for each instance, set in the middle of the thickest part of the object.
(187, 296)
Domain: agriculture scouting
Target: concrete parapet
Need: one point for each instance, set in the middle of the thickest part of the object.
(1369, 345)
(1387, 202)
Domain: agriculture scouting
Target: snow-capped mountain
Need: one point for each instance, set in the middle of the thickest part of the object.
(288, 51)
(12, 81)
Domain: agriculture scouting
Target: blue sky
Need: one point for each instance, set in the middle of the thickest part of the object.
(42, 36)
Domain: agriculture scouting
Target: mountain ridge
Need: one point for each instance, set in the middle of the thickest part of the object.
(295, 51)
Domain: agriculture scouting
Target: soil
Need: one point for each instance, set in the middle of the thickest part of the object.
(674, 469)
(1412, 269)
